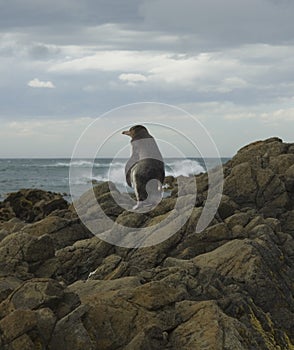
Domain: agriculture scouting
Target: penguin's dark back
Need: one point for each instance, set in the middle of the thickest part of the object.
(148, 169)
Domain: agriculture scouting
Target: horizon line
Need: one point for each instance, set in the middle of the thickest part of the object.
(16, 158)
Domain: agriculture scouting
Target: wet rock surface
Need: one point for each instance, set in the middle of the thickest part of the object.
(229, 286)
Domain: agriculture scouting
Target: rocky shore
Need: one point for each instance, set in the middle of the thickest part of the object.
(228, 287)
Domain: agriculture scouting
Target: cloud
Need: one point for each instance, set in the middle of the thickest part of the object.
(131, 78)
(222, 23)
(36, 83)
(219, 71)
(198, 25)
(166, 68)
(231, 58)
(38, 137)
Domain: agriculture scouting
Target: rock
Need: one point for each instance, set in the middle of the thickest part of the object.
(79, 260)
(229, 286)
(32, 205)
(290, 171)
(260, 151)
(6, 212)
(215, 233)
(104, 194)
(287, 222)
(256, 220)
(281, 163)
(227, 207)
(206, 327)
(131, 219)
(7, 285)
(19, 252)
(257, 264)
(46, 321)
(238, 231)
(37, 293)
(16, 324)
(23, 342)
(251, 186)
(39, 249)
(237, 219)
(150, 338)
(11, 226)
(240, 185)
(111, 267)
(63, 232)
(88, 289)
(157, 294)
(69, 332)
(38, 313)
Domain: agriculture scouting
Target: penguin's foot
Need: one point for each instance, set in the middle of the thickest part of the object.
(138, 206)
(145, 205)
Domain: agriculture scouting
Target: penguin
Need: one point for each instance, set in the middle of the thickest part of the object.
(145, 169)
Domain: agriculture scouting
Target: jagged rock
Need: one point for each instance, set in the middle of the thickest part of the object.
(37, 293)
(70, 333)
(227, 207)
(111, 267)
(237, 219)
(260, 151)
(257, 264)
(79, 260)
(281, 163)
(257, 187)
(23, 342)
(16, 324)
(7, 285)
(38, 313)
(63, 232)
(46, 321)
(19, 252)
(205, 326)
(32, 205)
(287, 221)
(6, 212)
(151, 337)
(227, 287)
(11, 226)
(131, 219)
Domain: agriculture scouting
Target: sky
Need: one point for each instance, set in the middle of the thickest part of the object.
(229, 63)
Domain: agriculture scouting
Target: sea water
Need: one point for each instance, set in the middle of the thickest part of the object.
(53, 174)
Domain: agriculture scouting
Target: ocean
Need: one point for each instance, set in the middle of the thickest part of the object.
(53, 174)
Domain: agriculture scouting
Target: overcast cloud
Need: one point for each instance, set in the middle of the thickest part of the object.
(65, 62)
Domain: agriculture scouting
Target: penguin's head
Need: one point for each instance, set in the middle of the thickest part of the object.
(137, 132)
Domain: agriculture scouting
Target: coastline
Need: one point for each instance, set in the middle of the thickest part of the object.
(52, 174)
(233, 279)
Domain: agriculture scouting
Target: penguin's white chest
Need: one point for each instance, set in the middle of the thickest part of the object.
(134, 181)
(133, 176)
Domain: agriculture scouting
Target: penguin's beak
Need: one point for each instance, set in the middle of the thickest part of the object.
(127, 132)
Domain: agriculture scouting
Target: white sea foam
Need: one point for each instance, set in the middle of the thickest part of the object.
(115, 172)
(77, 163)
(185, 167)
(84, 164)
